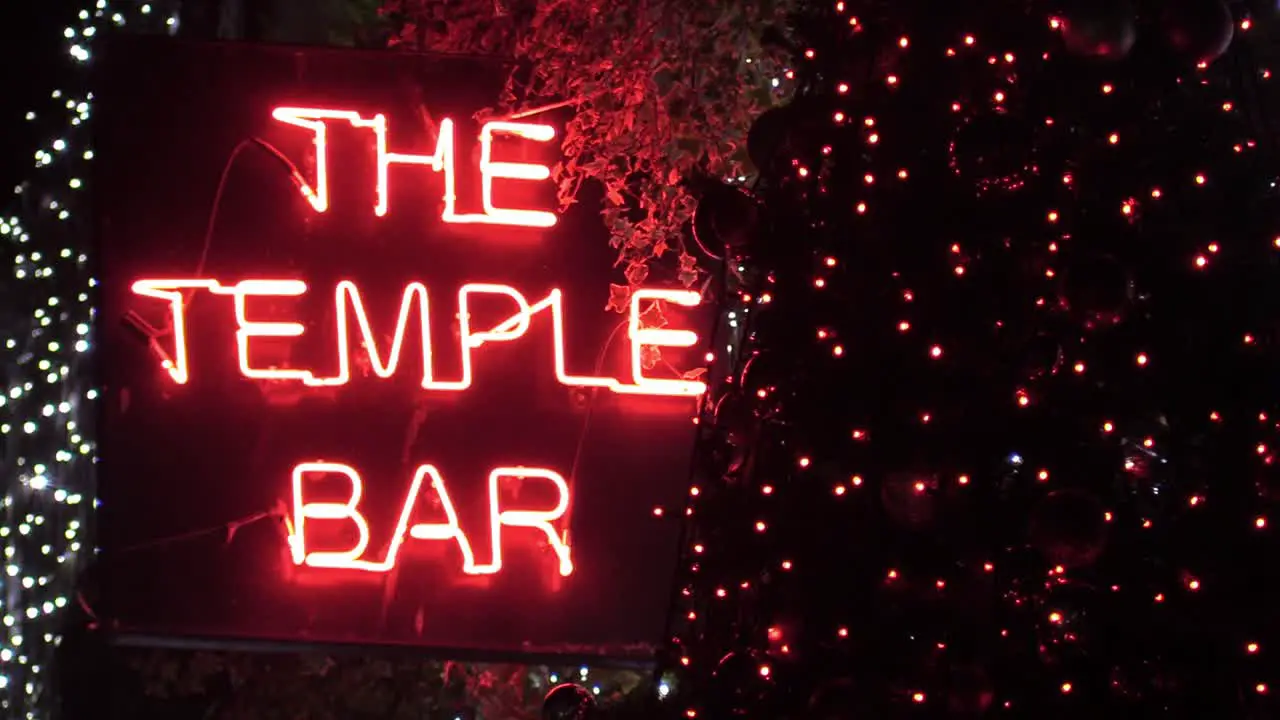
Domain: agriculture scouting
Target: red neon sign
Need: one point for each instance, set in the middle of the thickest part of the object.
(353, 326)
(441, 160)
(352, 558)
(347, 299)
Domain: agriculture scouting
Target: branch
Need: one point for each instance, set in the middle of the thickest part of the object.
(542, 108)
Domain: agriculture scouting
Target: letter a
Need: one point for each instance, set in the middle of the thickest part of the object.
(450, 530)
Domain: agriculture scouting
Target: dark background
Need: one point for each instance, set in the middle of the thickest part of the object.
(181, 463)
(31, 48)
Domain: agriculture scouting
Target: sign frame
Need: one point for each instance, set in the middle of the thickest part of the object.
(306, 182)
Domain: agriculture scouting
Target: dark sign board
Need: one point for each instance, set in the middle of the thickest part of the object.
(363, 383)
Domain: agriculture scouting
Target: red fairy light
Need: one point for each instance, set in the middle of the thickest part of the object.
(348, 301)
(441, 160)
(305, 512)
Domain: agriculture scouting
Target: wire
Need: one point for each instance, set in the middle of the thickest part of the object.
(229, 528)
(705, 250)
(206, 243)
(211, 222)
(591, 406)
(699, 445)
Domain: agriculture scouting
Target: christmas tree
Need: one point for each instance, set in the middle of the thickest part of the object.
(997, 429)
(1002, 432)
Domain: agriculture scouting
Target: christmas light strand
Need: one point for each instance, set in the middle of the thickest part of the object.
(46, 407)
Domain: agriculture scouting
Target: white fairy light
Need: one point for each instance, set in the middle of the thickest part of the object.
(44, 409)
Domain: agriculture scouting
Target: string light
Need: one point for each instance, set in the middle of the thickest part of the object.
(1054, 276)
(47, 406)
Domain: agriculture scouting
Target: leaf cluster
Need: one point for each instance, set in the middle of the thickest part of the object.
(250, 686)
(661, 92)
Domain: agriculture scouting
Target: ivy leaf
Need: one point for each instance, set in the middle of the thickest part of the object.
(674, 101)
(688, 274)
(316, 665)
(619, 297)
(693, 374)
(653, 317)
(650, 356)
(614, 196)
(636, 273)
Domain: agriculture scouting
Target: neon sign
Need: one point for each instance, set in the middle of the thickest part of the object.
(441, 160)
(348, 301)
(352, 326)
(349, 511)
(358, 366)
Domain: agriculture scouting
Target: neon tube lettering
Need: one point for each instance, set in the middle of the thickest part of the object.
(661, 337)
(441, 160)
(348, 302)
(450, 530)
(171, 292)
(314, 120)
(639, 338)
(490, 170)
(536, 519)
(349, 511)
(247, 329)
(347, 297)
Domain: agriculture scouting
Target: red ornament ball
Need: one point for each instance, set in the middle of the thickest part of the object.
(1197, 30)
(837, 700)
(1099, 29)
(742, 685)
(770, 137)
(1098, 289)
(726, 217)
(568, 702)
(1068, 527)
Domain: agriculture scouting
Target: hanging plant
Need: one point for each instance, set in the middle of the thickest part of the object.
(662, 94)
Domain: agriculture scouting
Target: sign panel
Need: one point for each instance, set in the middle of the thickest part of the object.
(363, 383)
